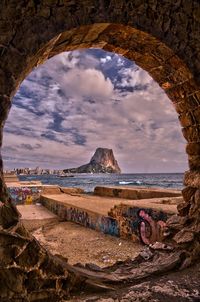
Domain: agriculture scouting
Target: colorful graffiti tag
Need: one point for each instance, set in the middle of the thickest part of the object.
(108, 225)
(78, 216)
(150, 229)
(146, 224)
(24, 195)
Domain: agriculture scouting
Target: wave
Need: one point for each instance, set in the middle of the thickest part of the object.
(130, 182)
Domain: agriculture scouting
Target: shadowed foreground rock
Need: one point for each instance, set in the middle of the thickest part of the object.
(173, 287)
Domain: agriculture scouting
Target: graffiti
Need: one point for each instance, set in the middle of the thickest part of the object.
(127, 222)
(78, 216)
(108, 225)
(24, 195)
(139, 223)
(150, 229)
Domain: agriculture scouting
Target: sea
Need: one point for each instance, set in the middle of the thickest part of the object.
(89, 181)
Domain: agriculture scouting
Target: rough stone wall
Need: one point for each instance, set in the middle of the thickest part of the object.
(162, 37)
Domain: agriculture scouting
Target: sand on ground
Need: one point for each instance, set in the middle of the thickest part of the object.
(83, 245)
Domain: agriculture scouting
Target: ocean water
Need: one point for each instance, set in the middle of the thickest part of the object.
(89, 181)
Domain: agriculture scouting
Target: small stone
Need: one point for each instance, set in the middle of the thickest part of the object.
(146, 254)
(183, 236)
(161, 246)
(176, 222)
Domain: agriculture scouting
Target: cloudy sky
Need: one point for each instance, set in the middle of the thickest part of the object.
(78, 101)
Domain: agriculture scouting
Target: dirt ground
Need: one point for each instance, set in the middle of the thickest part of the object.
(83, 245)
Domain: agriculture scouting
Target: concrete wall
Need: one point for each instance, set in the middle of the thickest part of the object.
(28, 194)
(95, 221)
(135, 193)
(25, 194)
(137, 223)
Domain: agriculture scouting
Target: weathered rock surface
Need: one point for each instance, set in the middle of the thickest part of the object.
(103, 161)
(173, 287)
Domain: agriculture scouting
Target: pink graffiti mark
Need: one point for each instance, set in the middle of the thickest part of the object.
(150, 230)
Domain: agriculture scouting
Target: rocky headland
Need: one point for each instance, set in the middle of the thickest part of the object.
(103, 161)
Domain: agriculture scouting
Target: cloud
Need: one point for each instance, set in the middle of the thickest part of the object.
(89, 82)
(81, 100)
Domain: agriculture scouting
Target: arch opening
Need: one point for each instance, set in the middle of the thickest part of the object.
(62, 117)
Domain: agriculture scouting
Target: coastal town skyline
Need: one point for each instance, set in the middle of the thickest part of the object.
(80, 100)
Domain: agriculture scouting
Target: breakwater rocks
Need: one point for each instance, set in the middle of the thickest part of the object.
(103, 161)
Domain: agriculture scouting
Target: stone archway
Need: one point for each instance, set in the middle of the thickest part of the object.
(162, 38)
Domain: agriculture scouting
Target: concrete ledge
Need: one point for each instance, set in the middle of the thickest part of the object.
(11, 178)
(31, 183)
(50, 189)
(157, 204)
(36, 216)
(68, 190)
(135, 192)
(69, 211)
(29, 192)
(137, 220)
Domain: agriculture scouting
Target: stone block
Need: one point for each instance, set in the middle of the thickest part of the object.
(176, 222)
(192, 178)
(180, 106)
(184, 236)
(183, 209)
(134, 192)
(186, 119)
(196, 114)
(188, 193)
(193, 148)
(194, 162)
(191, 133)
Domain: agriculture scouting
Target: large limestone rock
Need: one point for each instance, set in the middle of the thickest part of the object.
(103, 161)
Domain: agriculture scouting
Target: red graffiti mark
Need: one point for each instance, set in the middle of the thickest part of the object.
(150, 229)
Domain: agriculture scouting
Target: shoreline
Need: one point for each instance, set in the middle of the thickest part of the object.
(89, 181)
